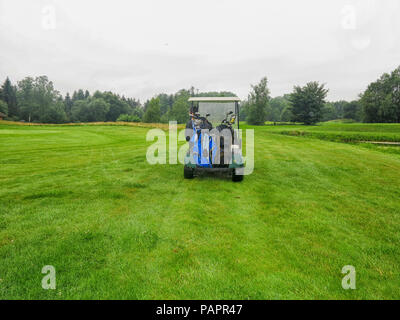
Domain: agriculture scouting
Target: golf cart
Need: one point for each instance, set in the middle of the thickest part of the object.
(214, 144)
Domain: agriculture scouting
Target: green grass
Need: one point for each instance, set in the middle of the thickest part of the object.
(83, 199)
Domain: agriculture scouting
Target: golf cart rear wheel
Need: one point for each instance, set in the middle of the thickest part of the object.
(236, 177)
(188, 173)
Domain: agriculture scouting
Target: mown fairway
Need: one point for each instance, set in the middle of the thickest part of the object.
(84, 199)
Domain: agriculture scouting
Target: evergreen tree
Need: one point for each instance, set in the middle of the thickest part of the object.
(68, 103)
(10, 97)
(80, 95)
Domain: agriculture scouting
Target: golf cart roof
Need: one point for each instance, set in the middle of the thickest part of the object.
(214, 99)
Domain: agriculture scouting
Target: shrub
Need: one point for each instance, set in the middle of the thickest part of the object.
(128, 118)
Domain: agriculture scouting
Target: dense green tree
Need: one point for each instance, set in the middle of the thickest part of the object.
(259, 103)
(138, 112)
(180, 109)
(97, 110)
(39, 101)
(353, 111)
(166, 102)
(152, 114)
(308, 102)
(9, 96)
(329, 112)
(3, 107)
(48, 100)
(339, 108)
(334, 110)
(287, 115)
(243, 110)
(146, 105)
(117, 105)
(277, 105)
(371, 102)
(80, 111)
(133, 103)
(28, 107)
(54, 113)
(381, 101)
(92, 109)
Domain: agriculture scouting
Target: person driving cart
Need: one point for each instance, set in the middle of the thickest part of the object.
(196, 122)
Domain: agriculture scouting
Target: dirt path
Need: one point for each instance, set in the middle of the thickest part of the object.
(388, 143)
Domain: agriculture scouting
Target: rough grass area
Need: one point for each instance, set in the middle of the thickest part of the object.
(84, 199)
(343, 132)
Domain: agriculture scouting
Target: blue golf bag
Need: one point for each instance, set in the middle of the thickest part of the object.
(204, 147)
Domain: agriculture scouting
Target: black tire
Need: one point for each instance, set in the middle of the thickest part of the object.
(188, 173)
(236, 177)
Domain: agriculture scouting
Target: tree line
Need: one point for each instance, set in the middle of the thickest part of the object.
(379, 103)
(306, 104)
(36, 100)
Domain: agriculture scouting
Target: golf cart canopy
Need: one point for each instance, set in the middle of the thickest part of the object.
(214, 99)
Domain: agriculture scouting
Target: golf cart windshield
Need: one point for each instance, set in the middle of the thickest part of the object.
(217, 108)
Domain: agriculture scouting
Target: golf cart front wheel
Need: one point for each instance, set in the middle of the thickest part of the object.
(188, 173)
(237, 177)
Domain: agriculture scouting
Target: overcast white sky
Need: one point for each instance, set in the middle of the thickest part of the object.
(141, 48)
